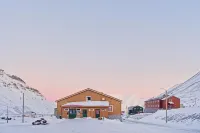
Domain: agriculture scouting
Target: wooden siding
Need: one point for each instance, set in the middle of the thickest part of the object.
(174, 99)
(90, 113)
(94, 97)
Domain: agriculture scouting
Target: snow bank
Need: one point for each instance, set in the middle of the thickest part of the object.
(182, 116)
(138, 116)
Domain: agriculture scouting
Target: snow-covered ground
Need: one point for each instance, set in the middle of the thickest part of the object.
(138, 116)
(189, 117)
(90, 126)
(12, 88)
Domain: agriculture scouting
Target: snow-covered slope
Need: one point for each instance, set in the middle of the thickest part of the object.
(188, 92)
(189, 116)
(12, 89)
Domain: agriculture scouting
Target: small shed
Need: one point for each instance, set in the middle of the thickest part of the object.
(132, 110)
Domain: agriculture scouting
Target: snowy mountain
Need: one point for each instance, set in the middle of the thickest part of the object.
(12, 89)
(188, 92)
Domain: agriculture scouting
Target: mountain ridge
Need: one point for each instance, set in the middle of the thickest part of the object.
(12, 87)
(188, 91)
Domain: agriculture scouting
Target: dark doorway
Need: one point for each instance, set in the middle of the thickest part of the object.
(84, 112)
(72, 113)
(97, 113)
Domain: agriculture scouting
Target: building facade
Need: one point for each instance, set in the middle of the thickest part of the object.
(154, 104)
(132, 110)
(89, 103)
(173, 102)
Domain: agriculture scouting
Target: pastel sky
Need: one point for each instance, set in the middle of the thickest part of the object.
(129, 47)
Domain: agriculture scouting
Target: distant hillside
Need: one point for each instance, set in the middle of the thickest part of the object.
(12, 88)
(188, 92)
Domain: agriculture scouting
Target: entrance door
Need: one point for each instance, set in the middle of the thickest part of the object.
(97, 113)
(72, 113)
(84, 112)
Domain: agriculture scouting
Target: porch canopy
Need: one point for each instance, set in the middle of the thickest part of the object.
(170, 102)
(87, 104)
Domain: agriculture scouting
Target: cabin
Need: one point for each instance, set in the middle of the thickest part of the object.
(154, 104)
(132, 110)
(89, 103)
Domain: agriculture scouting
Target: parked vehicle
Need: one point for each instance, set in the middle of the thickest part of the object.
(42, 121)
(5, 118)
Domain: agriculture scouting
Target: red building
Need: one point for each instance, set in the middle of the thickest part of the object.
(152, 105)
(173, 102)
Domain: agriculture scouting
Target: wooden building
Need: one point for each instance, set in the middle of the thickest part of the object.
(154, 104)
(173, 102)
(132, 110)
(89, 103)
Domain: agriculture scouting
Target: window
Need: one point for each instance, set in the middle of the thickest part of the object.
(88, 98)
(110, 108)
(78, 110)
(66, 109)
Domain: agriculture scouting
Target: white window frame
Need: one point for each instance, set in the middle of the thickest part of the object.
(112, 108)
(87, 98)
(66, 109)
(91, 109)
(78, 109)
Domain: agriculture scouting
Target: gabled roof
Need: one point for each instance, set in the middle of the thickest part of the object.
(131, 107)
(88, 89)
(152, 99)
(169, 97)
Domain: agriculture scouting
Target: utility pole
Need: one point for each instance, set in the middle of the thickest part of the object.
(23, 109)
(7, 114)
(166, 105)
(195, 101)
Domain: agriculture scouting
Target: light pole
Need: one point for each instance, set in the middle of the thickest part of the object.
(166, 106)
(7, 114)
(23, 108)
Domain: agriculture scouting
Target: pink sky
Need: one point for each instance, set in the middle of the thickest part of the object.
(55, 85)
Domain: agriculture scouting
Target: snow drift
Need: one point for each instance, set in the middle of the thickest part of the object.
(186, 116)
